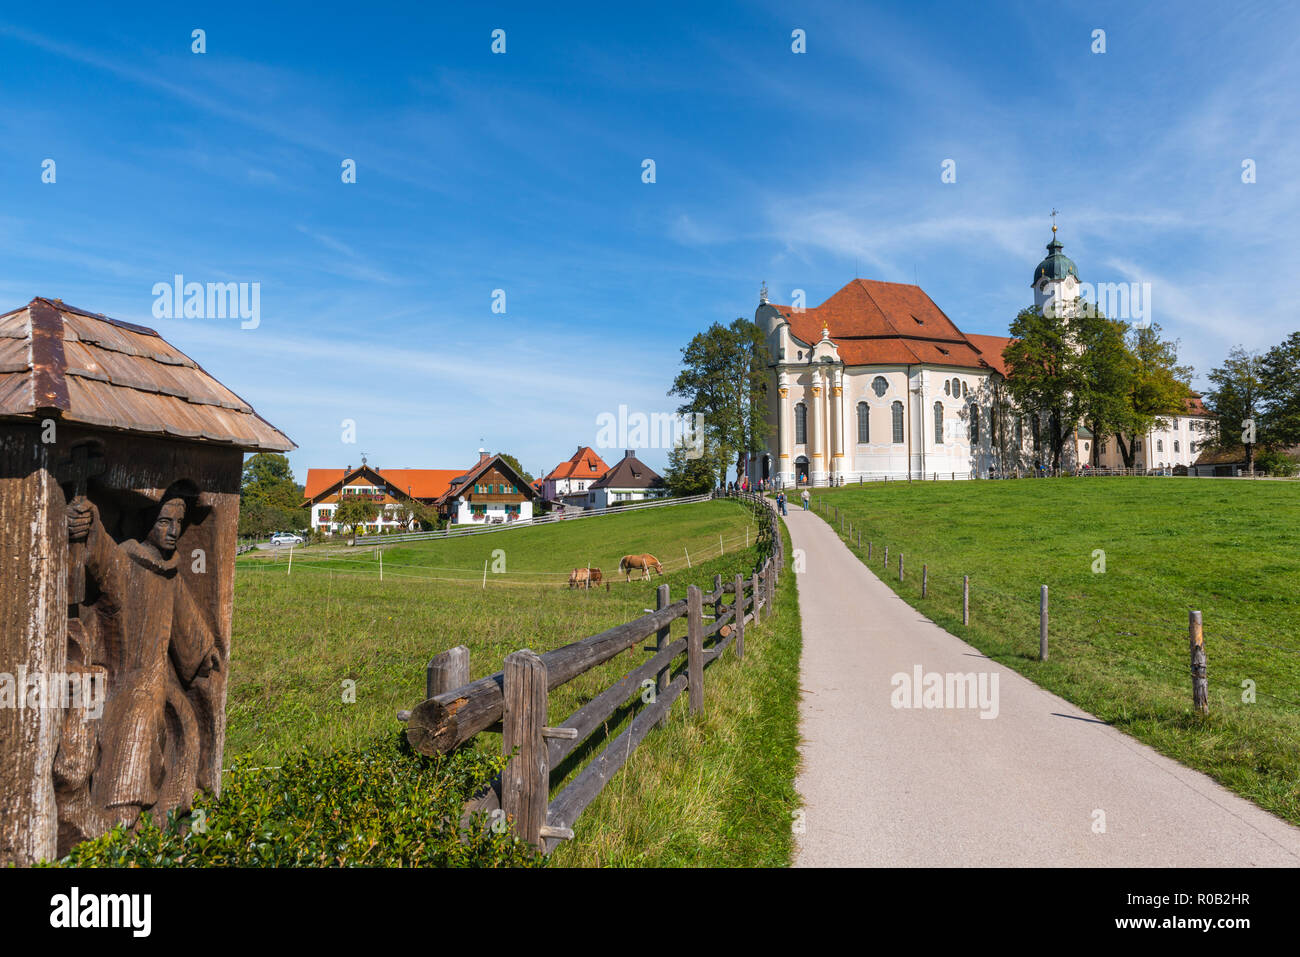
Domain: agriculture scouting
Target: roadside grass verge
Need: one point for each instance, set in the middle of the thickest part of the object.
(301, 637)
(1118, 644)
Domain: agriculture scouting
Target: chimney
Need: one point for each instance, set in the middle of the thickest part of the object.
(482, 455)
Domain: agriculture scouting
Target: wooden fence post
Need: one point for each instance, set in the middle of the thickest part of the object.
(446, 671)
(662, 641)
(900, 566)
(965, 599)
(695, 648)
(886, 556)
(925, 579)
(1200, 664)
(740, 616)
(717, 605)
(1042, 624)
(526, 781)
(753, 591)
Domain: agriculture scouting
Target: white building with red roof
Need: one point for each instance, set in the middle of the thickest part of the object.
(572, 478)
(875, 381)
(878, 381)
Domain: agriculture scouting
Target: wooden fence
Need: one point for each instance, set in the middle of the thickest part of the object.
(1195, 631)
(514, 699)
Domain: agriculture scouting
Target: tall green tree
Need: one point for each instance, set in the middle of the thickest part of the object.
(1159, 387)
(1107, 372)
(269, 479)
(692, 472)
(1280, 388)
(724, 378)
(1045, 373)
(1237, 400)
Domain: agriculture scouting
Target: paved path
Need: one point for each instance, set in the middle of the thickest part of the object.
(887, 786)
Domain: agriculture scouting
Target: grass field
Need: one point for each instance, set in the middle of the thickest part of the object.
(300, 635)
(1118, 636)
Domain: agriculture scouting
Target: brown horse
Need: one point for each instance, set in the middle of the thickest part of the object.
(584, 577)
(644, 562)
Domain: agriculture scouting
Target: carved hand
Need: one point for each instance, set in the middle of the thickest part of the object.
(81, 517)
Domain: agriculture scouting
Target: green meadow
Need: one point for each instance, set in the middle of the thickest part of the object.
(325, 653)
(1124, 559)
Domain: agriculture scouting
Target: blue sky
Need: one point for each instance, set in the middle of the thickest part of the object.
(522, 172)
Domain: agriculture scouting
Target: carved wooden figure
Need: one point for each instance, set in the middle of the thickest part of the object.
(120, 465)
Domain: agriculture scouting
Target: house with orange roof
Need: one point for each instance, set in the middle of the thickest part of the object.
(571, 480)
(387, 488)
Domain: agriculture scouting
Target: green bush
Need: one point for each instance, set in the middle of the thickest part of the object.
(379, 806)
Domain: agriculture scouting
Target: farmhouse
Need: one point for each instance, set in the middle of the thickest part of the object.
(878, 381)
(630, 480)
(491, 493)
(389, 489)
(569, 481)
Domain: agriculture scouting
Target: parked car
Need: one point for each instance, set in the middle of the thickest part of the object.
(286, 538)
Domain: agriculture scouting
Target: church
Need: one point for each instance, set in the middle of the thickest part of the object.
(877, 382)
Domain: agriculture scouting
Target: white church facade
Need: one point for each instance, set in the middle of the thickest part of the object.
(877, 382)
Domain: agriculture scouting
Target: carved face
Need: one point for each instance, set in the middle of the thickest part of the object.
(167, 529)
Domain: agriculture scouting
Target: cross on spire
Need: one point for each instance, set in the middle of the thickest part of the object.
(1054, 214)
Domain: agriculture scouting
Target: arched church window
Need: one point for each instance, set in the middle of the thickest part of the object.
(956, 387)
(1033, 427)
(1175, 445)
(938, 423)
(897, 410)
(947, 387)
(864, 423)
(800, 424)
(879, 385)
(1020, 431)
(963, 390)
(974, 424)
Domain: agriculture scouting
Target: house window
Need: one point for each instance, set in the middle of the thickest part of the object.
(897, 410)
(974, 424)
(800, 424)
(864, 423)
(1175, 445)
(1160, 445)
(1020, 431)
(879, 386)
(938, 423)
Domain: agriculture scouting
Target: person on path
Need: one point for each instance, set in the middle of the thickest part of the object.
(782, 499)
(805, 500)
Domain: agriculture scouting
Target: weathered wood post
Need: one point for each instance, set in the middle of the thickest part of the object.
(695, 648)
(1200, 664)
(1042, 624)
(925, 579)
(900, 566)
(754, 594)
(718, 607)
(886, 556)
(120, 467)
(965, 599)
(446, 671)
(526, 780)
(740, 616)
(662, 640)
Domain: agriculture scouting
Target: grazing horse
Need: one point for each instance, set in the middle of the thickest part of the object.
(584, 577)
(644, 562)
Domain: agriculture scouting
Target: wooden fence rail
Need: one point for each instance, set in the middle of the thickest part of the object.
(514, 700)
